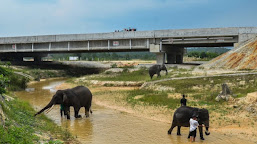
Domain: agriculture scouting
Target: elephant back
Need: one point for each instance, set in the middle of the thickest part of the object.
(83, 94)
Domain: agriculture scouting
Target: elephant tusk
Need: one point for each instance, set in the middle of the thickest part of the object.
(49, 109)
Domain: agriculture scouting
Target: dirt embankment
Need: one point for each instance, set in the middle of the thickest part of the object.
(242, 57)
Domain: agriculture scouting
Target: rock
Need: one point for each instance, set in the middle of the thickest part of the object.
(218, 98)
(225, 89)
(2, 98)
(251, 108)
(234, 95)
(138, 97)
(242, 83)
(114, 70)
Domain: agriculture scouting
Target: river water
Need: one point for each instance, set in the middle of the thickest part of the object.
(107, 126)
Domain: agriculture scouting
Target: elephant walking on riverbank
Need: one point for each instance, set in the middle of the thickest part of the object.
(182, 116)
(156, 69)
(77, 97)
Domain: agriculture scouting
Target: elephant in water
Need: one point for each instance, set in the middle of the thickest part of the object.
(182, 116)
(77, 97)
(156, 69)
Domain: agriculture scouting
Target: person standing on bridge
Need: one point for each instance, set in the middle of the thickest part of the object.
(183, 101)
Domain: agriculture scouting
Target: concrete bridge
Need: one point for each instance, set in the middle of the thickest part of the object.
(168, 45)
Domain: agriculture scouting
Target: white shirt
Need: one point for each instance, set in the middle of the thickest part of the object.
(193, 124)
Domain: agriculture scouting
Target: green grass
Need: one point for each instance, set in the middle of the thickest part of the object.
(139, 75)
(21, 125)
(187, 86)
(152, 97)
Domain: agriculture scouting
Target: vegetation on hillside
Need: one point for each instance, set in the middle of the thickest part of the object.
(12, 81)
(21, 127)
(18, 125)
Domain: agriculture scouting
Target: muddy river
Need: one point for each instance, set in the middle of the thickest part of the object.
(106, 126)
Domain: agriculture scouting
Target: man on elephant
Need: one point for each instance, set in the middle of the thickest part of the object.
(183, 101)
(193, 127)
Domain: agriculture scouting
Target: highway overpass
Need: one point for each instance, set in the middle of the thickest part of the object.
(168, 45)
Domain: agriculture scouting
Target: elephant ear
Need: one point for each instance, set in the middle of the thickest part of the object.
(65, 97)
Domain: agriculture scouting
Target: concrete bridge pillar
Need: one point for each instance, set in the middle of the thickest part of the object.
(37, 58)
(160, 58)
(174, 54)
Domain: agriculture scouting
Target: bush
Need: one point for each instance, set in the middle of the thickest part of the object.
(3, 84)
(18, 82)
(114, 65)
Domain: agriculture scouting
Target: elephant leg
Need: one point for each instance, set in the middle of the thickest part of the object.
(67, 112)
(87, 109)
(151, 76)
(201, 133)
(61, 112)
(171, 128)
(76, 110)
(159, 75)
(178, 132)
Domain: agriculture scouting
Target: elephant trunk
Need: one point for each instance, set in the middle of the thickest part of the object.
(50, 104)
(207, 128)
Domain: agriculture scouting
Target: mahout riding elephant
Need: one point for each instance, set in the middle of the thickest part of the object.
(156, 69)
(182, 116)
(77, 97)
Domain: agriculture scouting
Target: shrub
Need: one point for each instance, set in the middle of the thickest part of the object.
(3, 83)
(114, 65)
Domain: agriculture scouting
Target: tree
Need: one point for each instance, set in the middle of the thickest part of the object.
(203, 55)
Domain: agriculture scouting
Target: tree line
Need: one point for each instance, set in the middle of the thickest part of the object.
(107, 56)
(204, 53)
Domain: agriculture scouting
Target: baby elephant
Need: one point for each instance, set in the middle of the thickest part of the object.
(156, 69)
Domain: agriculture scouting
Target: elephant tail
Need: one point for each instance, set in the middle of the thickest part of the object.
(91, 111)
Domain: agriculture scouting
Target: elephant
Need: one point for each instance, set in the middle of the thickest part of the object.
(156, 69)
(77, 97)
(182, 116)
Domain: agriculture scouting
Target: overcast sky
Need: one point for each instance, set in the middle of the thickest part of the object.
(41, 17)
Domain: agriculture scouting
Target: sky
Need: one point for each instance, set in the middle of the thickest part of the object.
(46, 17)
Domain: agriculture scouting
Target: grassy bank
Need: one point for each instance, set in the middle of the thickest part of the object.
(20, 126)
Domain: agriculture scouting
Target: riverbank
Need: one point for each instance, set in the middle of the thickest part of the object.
(17, 123)
(20, 126)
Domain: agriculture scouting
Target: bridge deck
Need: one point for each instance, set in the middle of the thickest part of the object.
(124, 41)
